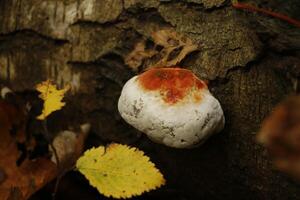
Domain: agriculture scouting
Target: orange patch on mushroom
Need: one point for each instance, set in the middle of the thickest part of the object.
(173, 83)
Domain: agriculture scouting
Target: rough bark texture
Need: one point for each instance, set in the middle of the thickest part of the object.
(250, 60)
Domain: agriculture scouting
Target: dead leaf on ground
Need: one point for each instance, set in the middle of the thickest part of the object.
(20, 182)
(173, 48)
(280, 134)
(119, 171)
(31, 175)
(69, 146)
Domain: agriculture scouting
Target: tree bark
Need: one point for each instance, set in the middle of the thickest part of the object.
(251, 62)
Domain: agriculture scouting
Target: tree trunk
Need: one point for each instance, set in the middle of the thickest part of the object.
(251, 62)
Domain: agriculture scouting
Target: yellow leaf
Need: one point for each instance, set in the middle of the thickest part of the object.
(119, 171)
(52, 98)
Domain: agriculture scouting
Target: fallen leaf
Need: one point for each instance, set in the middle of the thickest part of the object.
(5, 91)
(172, 41)
(119, 171)
(69, 146)
(280, 134)
(52, 98)
(23, 180)
(173, 48)
(19, 180)
(139, 53)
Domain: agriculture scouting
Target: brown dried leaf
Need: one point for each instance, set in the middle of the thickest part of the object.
(175, 47)
(69, 146)
(20, 182)
(139, 53)
(31, 174)
(280, 134)
(172, 41)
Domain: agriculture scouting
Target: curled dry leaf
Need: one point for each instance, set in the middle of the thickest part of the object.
(171, 42)
(69, 146)
(139, 53)
(174, 48)
(20, 178)
(280, 134)
(31, 175)
(4, 92)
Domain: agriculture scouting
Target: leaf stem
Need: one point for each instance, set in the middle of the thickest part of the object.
(280, 16)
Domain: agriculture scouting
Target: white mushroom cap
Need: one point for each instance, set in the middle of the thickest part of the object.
(171, 106)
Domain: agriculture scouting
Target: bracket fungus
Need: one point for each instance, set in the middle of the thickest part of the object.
(171, 106)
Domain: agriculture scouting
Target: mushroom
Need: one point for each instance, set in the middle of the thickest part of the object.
(171, 106)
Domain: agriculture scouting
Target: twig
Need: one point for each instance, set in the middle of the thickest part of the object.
(46, 133)
(57, 181)
(280, 16)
